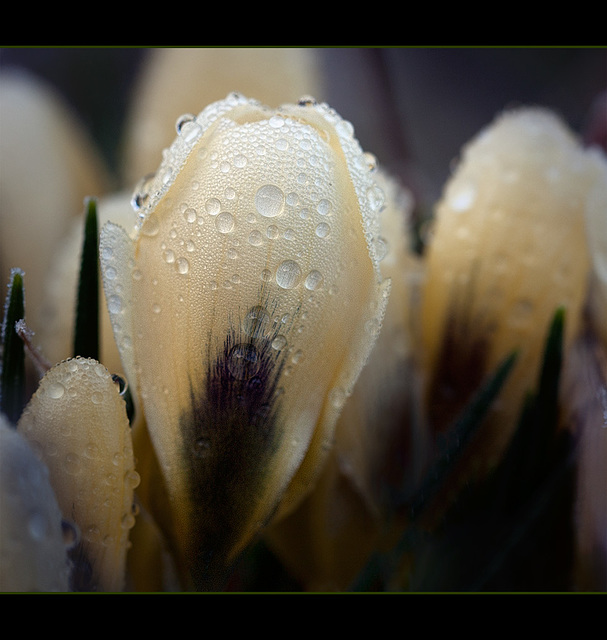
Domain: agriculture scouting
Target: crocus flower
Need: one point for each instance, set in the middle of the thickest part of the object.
(508, 248)
(241, 303)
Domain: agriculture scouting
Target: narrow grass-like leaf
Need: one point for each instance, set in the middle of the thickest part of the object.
(12, 384)
(86, 334)
(460, 435)
(378, 572)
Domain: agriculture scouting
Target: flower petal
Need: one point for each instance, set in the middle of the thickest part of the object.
(33, 552)
(508, 248)
(77, 422)
(48, 167)
(244, 294)
(271, 75)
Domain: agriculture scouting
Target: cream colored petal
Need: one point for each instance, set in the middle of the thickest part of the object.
(248, 287)
(33, 552)
(328, 538)
(508, 248)
(175, 81)
(48, 167)
(77, 423)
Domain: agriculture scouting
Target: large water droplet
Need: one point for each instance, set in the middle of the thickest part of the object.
(323, 207)
(314, 280)
(212, 206)
(279, 342)
(288, 274)
(243, 361)
(322, 229)
(269, 201)
(182, 265)
(224, 222)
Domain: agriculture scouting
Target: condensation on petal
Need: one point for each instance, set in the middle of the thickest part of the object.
(508, 248)
(253, 280)
(33, 550)
(165, 89)
(76, 421)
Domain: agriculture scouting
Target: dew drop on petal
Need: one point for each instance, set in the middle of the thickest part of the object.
(322, 229)
(269, 201)
(224, 222)
(255, 238)
(288, 274)
(55, 390)
(243, 361)
(212, 206)
(279, 342)
(313, 280)
(182, 265)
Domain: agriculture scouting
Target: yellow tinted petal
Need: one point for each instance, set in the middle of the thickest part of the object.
(77, 423)
(166, 89)
(508, 248)
(247, 288)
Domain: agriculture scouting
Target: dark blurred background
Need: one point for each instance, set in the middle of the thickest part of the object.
(414, 107)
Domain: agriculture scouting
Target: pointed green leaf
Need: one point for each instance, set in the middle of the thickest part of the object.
(86, 335)
(12, 390)
(460, 435)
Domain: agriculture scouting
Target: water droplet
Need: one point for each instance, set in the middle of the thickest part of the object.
(381, 247)
(243, 361)
(371, 161)
(240, 161)
(182, 265)
(256, 322)
(255, 238)
(337, 398)
(279, 342)
(323, 207)
(71, 463)
(55, 390)
(224, 222)
(322, 229)
(269, 201)
(288, 274)
(314, 280)
(212, 206)
(306, 101)
(190, 215)
(376, 198)
(132, 479)
(463, 198)
(182, 120)
(276, 122)
(272, 232)
(266, 275)
(168, 256)
(96, 397)
(150, 226)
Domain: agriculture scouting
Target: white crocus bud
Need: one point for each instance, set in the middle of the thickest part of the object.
(241, 304)
(76, 421)
(33, 550)
(509, 247)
